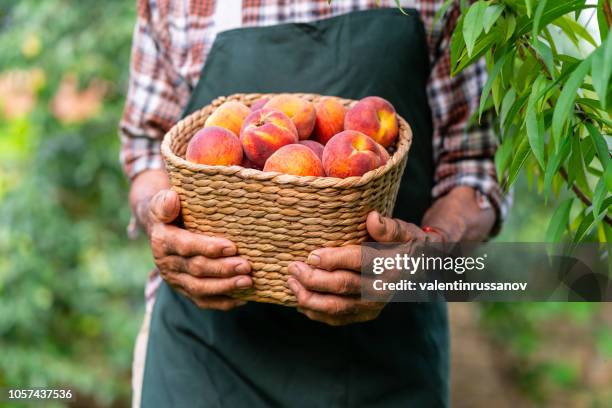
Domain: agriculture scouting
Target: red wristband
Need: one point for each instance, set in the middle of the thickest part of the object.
(434, 230)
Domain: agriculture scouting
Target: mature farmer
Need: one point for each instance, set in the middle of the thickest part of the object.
(205, 349)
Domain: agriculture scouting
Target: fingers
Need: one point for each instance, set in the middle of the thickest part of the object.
(340, 282)
(201, 288)
(203, 267)
(326, 303)
(348, 257)
(164, 207)
(171, 240)
(384, 229)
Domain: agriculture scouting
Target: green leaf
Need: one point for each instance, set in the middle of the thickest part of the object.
(482, 46)
(600, 145)
(506, 104)
(537, 18)
(559, 221)
(457, 45)
(565, 104)
(554, 163)
(608, 177)
(589, 221)
(601, 191)
(520, 156)
(529, 5)
(492, 76)
(558, 9)
(502, 157)
(602, 70)
(535, 124)
(491, 15)
(510, 26)
(575, 166)
(545, 52)
(601, 20)
(473, 24)
(579, 30)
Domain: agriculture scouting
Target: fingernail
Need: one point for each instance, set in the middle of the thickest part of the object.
(314, 259)
(241, 303)
(293, 268)
(243, 282)
(296, 268)
(293, 285)
(228, 251)
(241, 268)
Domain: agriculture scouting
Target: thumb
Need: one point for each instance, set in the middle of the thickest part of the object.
(385, 229)
(164, 207)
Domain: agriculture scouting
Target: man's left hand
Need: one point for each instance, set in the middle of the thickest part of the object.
(328, 285)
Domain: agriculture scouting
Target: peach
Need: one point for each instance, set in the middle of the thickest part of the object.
(215, 146)
(384, 155)
(295, 159)
(301, 112)
(246, 163)
(350, 153)
(260, 103)
(329, 119)
(376, 118)
(230, 116)
(316, 147)
(264, 132)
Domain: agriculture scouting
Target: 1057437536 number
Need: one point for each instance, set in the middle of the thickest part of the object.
(13, 394)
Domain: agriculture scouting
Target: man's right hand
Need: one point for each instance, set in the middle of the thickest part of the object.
(203, 268)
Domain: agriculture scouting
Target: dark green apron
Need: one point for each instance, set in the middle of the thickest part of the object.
(262, 355)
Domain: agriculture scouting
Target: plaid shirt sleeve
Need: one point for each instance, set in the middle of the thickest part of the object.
(155, 98)
(464, 150)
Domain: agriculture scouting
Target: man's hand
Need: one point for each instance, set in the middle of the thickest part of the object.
(328, 286)
(202, 268)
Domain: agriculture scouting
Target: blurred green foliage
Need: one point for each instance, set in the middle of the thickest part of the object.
(70, 281)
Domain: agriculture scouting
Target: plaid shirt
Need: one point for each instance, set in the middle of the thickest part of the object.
(173, 37)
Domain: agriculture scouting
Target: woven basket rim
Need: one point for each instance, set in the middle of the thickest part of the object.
(403, 146)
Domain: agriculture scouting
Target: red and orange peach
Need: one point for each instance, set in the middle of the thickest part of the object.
(215, 146)
(295, 159)
(300, 111)
(375, 117)
(316, 147)
(265, 131)
(329, 119)
(260, 103)
(350, 153)
(229, 115)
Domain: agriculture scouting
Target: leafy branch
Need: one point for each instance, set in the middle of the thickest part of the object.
(549, 84)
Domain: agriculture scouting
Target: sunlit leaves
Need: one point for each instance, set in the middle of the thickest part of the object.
(551, 106)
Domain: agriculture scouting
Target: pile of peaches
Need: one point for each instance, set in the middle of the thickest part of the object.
(289, 134)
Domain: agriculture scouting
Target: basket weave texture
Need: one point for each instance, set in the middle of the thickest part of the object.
(273, 218)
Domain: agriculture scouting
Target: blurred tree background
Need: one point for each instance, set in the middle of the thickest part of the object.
(71, 282)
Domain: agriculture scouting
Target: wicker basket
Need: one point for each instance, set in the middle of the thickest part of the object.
(274, 218)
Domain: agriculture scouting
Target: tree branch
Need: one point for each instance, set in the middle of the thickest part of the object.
(608, 12)
(581, 195)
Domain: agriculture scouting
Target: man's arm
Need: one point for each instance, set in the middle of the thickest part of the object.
(460, 217)
(204, 269)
